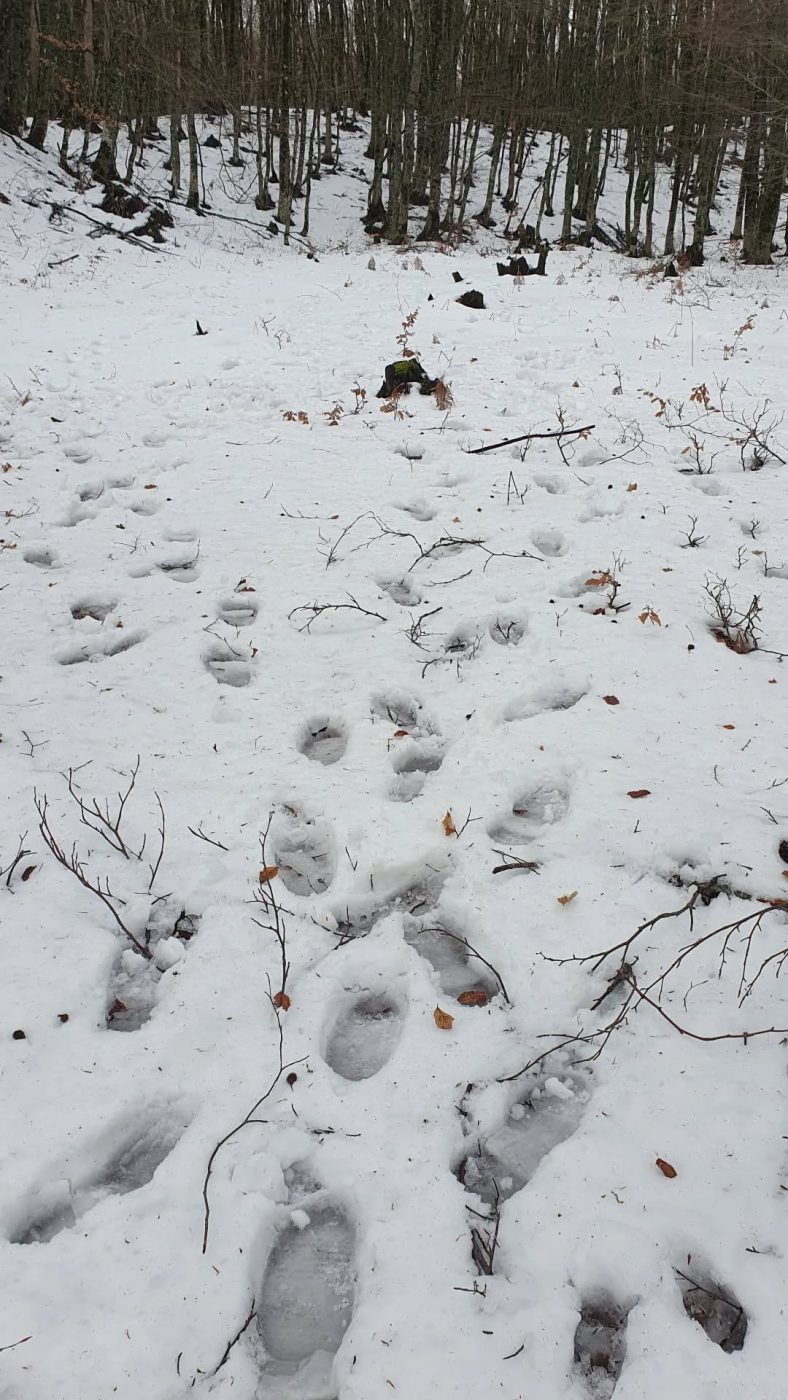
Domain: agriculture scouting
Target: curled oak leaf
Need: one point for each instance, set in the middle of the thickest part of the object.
(281, 1001)
(442, 1019)
(611, 699)
(400, 734)
(567, 898)
(729, 726)
(633, 486)
(28, 872)
(473, 998)
(666, 1169)
(268, 873)
(639, 792)
(448, 824)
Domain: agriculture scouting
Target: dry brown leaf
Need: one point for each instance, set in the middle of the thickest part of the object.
(567, 898)
(649, 615)
(729, 726)
(611, 699)
(281, 1001)
(598, 580)
(666, 1169)
(442, 1019)
(476, 998)
(28, 872)
(150, 487)
(448, 825)
(640, 792)
(400, 734)
(633, 486)
(268, 873)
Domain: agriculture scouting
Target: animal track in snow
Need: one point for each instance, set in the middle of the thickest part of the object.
(91, 491)
(504, 1161)
(237, 609)
(507, 629)
(551, 484)
(401, 589)
(143, 1142)
(364, 1035)
(304, 851)
(97, 608)
(41, 555)
(226, 666)
(420, 509)
(77, 452)
(457, 969)
(412, 890)
(550, 543)
(601, 1344)
(560, 695)
(532, 810)
(715, 1308)
(306, 1299)
(97, 648)
(323, 739)
(145, 504)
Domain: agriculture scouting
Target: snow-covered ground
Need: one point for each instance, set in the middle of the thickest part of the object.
(173, 504)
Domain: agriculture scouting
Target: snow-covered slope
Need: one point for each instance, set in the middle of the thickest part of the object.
(174, 503)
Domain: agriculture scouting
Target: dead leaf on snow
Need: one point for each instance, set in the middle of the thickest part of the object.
(567, 898)
(448, 825)
(268, 873)
(666, 1169)
(639, 792)
(442, 1019)
(281, 1001)
(477, 998)
(611, 699)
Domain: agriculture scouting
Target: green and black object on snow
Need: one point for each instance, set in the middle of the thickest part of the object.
(400, 374)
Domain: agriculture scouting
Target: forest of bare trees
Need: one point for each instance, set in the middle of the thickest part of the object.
(670, 85)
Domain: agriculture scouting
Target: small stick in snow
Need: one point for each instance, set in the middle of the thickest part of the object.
(251, 1314)
(511, 862)
(201, 836)
(532, 437)
(316, 609)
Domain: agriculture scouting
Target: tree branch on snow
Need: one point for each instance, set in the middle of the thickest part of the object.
(265, 896)
(73, 862)
(248, 1119)
(650, 991)
(21, 852)
(317, 609)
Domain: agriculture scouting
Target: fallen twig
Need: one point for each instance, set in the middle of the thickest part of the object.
(532, 437)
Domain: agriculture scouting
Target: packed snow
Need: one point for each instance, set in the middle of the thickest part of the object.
(302, 689)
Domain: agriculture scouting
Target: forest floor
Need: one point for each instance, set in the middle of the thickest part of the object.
(529, 674)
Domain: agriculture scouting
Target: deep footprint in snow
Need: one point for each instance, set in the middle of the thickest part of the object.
(507, 629)
(560, 695)
(504, 1161)
(601, 1344)
(237, 609)
(401, 589)
(226, 666)
(96, 649)
(532, 810)
(420, 509)
(303, 851)
(715, 1308)
(403, 712)
(143, 1143)
(97, 608)
(42, 555)
(305, 1304)
(415, 892)
(364, 1036)
(550, 543)
(459, 973)
(323, 739)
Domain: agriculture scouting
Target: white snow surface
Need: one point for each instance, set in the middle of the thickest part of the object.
(164, 517)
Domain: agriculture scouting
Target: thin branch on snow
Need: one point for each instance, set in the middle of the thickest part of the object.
(317, 609)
